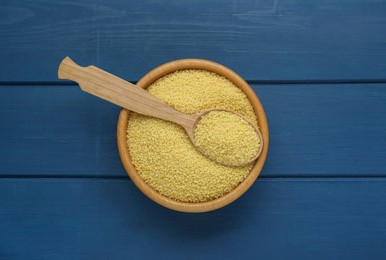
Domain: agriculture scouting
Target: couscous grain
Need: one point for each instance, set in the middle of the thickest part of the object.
(163, 154)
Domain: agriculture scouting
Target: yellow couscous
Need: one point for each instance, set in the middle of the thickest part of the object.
(162, 152)
(226, 138)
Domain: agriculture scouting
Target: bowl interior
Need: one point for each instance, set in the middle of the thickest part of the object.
(161, 71)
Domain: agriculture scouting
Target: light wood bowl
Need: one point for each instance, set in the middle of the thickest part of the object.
(161, 71)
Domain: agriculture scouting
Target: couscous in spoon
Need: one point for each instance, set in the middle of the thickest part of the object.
(129, 96)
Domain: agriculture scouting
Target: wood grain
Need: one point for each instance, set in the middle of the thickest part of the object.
(316, 130)
(111, 219)
(261, 40)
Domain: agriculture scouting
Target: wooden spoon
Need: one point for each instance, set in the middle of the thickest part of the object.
(127, 95)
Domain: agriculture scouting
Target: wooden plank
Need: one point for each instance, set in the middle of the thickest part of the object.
(325, 130)
(59, 130)
(111, 219)
(328, 130)
(261, 40)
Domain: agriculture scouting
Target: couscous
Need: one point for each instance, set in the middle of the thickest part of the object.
(226, 138)
(162, 152)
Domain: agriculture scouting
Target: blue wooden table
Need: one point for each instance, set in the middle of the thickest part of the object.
(318, 67)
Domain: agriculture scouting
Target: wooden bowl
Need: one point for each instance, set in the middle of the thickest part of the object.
(161, 71)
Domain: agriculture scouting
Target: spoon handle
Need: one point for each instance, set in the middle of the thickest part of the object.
(120, 92)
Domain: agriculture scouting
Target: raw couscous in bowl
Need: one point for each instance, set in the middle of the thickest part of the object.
(158, 155)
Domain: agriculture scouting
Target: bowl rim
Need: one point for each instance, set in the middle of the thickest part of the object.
(228, 198)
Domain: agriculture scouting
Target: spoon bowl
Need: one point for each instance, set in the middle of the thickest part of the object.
(199, 116)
